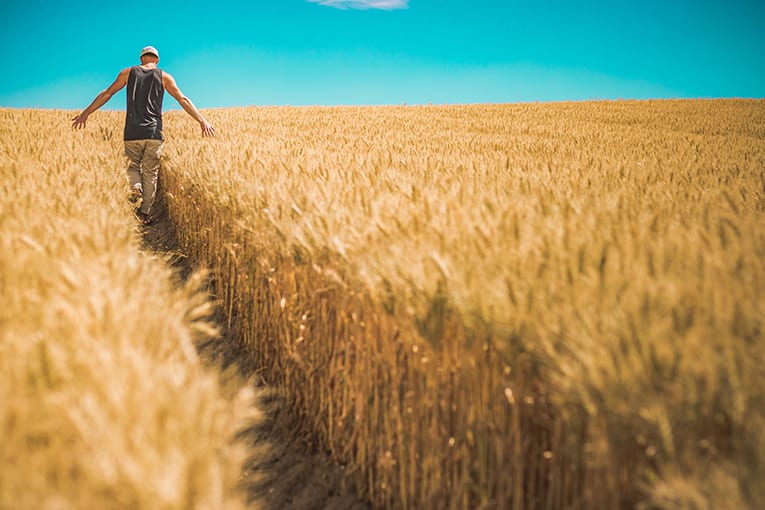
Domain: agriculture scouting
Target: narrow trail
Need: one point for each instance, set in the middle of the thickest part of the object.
(282, 471)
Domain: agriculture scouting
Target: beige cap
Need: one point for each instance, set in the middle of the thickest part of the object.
(150, 50)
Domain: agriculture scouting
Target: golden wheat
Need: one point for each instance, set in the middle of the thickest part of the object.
(495, 306)
(103, 401)
(527, 306)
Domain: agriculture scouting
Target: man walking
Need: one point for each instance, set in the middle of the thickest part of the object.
(146, 85)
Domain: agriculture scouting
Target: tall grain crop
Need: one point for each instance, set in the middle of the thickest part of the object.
(500, 306)
(103, 400)
(488, 306)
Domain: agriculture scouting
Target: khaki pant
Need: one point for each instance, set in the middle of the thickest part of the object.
(143, 168)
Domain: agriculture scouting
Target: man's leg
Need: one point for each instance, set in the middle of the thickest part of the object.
(134, 150)
(151, 157)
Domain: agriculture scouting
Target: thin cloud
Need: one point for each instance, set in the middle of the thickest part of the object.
(387, 5)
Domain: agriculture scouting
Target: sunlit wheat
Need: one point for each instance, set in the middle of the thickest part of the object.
(490, 306)
(401, 270)
(103, 401)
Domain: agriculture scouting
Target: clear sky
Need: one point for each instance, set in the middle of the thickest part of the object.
(60, 54)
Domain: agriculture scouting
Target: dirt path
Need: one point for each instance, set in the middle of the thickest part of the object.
(282, 471)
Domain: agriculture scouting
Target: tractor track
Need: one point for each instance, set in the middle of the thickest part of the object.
(282, 470)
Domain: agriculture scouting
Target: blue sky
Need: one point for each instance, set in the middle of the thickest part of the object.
(327, 52)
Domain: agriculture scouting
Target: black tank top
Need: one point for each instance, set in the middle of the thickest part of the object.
(143, 120)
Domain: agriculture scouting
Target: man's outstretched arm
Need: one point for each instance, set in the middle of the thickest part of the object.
(101, 99)
(172, 88)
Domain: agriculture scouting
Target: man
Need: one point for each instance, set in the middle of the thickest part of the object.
(146, 85)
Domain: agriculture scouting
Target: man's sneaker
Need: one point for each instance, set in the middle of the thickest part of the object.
(144, 218)
(135, 195)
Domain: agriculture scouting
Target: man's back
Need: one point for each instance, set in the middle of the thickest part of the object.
(143, 120)
(146, 86)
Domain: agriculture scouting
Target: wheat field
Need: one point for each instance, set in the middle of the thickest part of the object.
(104, 402)
(482, 306)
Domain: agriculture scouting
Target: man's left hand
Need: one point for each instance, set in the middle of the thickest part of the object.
(207, 128)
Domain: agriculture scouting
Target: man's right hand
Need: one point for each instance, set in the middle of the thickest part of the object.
(79, 121)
